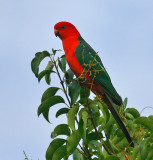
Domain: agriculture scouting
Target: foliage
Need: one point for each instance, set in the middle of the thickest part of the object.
(91, 132)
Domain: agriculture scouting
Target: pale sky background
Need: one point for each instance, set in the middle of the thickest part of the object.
(122, 32)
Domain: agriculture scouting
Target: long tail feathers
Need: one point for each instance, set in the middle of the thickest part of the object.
(118, 120)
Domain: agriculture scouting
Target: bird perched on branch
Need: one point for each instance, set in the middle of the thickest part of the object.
(85, 63)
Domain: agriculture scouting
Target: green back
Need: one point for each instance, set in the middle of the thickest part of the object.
(90, 60)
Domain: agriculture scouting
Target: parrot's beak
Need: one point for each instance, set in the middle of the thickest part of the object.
(56, 31)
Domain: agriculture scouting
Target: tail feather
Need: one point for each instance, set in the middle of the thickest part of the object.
(118, 120)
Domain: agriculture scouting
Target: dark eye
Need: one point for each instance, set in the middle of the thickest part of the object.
(63, 26)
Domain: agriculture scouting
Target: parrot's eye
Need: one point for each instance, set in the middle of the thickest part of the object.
(63, 26)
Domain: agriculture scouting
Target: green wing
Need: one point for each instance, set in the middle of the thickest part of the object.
(90, 60)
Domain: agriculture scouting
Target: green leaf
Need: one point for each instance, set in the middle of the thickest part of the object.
(150, 154)
(97, 147)
(122, 144)
(72, 142)
(54, 51)
(62, 64)
(95, 112)
(111, 158)
(39, 56)
(109, 126)
(69, 76)
(47, 78)
(84, 94)
(117, 138)
(45, 105)
(77, 156)
(129, 116)
(62, 129)
(151, 117)
(80, 128)
(94, 144)
(82, 125)
(45, 114)
(54, 145)
(92, 136)
(84, 118)
(130, 125)
(71, 116)
(74, 91)
(133, 111)
(94, 108)
(43, 73)
(49, 66)
(60, 153)
(105, 111)
(49, 93)
(62, 111)
(135, 153)
(143, 150)
(125, 102)
(146, 122)
(82, 110)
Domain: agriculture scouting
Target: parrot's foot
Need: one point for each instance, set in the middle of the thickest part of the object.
(101, 97)
(82, 80)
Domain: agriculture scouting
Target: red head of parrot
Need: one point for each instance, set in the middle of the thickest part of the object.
(65, 30)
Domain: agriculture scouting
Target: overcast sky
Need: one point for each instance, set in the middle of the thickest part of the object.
(122, 32)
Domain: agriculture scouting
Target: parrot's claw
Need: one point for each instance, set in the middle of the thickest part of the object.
(82, 80)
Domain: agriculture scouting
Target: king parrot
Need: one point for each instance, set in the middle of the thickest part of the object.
(85, 63)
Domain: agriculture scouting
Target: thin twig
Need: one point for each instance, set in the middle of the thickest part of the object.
(145, 108)
(62, 83)
(26, 158)
(81, 147)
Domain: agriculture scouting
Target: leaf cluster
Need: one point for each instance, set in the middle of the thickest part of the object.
(91, 132)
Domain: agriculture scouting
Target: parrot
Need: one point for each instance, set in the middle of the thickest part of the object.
(85, 63)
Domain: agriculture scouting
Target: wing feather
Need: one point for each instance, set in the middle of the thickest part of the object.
(90, 60)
